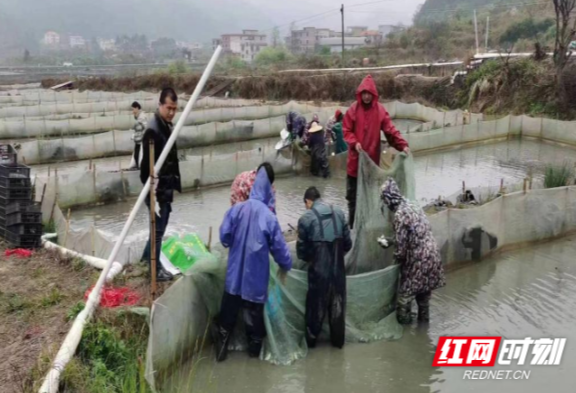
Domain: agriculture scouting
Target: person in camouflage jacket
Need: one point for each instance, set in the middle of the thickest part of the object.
(421, 269)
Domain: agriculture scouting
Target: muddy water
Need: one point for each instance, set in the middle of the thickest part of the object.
(528, 293)
(436, 174)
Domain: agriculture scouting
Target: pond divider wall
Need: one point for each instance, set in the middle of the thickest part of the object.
(42, 128)
(209, 169)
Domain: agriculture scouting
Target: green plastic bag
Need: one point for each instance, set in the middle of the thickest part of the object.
(183, 252)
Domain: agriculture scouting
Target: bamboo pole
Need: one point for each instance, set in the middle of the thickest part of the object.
(152, 223)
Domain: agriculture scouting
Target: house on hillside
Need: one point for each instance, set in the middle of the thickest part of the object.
(245, 45)
(107, 45)
(51, 38)
(77, 41)
(308, 39)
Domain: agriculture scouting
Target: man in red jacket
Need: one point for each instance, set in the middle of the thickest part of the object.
(362, 125)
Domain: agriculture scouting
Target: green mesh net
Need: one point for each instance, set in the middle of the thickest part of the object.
(181, 315)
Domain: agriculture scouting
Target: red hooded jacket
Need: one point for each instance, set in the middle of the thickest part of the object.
(362, 124)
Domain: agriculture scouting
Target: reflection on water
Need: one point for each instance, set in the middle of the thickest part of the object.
(528, 293)
(436, 174)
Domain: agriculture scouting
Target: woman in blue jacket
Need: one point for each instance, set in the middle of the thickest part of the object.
(251, 232)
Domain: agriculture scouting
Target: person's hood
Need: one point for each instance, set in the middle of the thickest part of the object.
(369, 86)
(391, 195)
(262, 189)
(337, 114)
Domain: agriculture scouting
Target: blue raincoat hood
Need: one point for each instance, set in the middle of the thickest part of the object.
(262, 189)
(252, 233)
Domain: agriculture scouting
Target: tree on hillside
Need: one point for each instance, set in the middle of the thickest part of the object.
(565, 30)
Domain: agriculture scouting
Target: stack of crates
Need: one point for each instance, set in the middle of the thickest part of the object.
(20, 218)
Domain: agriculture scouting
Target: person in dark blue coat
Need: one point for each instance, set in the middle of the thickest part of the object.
(251, 232)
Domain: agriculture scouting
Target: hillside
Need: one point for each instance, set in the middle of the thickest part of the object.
(438, 10)
(179, 19)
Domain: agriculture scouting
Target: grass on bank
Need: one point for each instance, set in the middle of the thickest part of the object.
(558, 175)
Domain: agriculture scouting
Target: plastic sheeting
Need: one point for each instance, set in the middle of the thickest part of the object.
(149, 103)
(516, 219)
(114, 143)
(179, 317)
(14, 128)
(89, 187)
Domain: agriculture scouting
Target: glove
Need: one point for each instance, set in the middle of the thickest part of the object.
(384, 243)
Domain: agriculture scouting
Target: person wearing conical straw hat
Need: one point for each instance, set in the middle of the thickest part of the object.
(317, 146)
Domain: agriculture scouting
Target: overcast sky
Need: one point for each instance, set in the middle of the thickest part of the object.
(194, 20)
(381, 12)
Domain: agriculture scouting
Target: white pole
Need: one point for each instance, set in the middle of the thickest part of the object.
(487, 32)
(72, 340)
(476, 32)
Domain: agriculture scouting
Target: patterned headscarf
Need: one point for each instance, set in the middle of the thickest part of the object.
(391, 195)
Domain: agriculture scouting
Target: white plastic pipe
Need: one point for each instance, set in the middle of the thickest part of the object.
(72, 340)
(98, 263)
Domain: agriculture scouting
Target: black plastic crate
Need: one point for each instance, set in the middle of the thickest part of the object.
(23, 218)
(10, 182)
(16, 193)
(8, 155)
(25, 229)
(15, 171)
(21, 207)
(23, 241)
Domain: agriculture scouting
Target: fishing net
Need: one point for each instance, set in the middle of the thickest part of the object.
(180, 316)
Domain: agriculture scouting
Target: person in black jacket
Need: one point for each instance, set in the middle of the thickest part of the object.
(323, 240)
(159, 129)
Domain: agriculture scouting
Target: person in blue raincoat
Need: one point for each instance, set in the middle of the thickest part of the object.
(252, 232)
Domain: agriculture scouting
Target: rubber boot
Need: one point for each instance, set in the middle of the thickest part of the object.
(254, 348)
(424, 313)
(163, 275)
(404, 314)
(221, 338)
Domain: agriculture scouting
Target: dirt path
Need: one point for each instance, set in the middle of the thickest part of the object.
(36, 297)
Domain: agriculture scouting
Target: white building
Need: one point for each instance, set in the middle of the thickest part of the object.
(246, 45)
(308, 39)
(335, 43)
(51, 38)
(77, 41)
(107, 45)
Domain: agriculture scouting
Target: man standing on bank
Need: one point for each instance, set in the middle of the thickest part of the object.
(159, 129)
(362, 125)
(139, 127)
(323, 240)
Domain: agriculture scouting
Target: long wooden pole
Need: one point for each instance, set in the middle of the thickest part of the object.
(152, 222)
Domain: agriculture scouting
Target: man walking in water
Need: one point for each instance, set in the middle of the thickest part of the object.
(362, 125)
(323, 240)
(159, 130)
